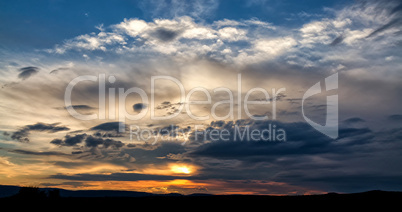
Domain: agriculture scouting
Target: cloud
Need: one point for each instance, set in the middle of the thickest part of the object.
(244, 42)
(138, 107)
(90, 42)
(80, 107)
(169, 107)
(232, 34)
(52, 128)
(22, 134)
(275, 47)
(354, 120)
(43, 153)
(396, 17)
(69, 140)
(27, 72)
(152, 154)
(168, 130)
(92, 141)
(164, 34)
(301, 139)
(164, 105)
(337, 40)
(54, 71)
(392, 23)
(306, 159)
(108, 126)
(395, 117)
(209, 54)
(89, 141)
(228, 22)
(133, 27)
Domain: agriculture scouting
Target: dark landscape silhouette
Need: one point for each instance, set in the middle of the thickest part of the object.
(15, 195)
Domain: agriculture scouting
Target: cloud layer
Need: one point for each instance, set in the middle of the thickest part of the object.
(360, 41)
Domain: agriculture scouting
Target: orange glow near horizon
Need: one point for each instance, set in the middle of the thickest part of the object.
(186, 187)
(152, 186)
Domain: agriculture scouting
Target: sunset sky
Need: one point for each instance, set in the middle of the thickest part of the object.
(157, 85)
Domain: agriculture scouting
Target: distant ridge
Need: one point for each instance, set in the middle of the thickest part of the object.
(6, 191)
(10, 191)
(122, 200)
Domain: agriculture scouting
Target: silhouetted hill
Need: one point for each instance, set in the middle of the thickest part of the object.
(100, 198)
(6, 191)
(9, 191)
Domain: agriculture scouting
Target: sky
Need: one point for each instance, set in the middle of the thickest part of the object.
(210, 96)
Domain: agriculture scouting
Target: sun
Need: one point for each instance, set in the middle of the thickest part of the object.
(181, 169)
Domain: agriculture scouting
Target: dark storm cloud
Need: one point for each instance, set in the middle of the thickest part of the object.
(112, 134)
(47, 127)
(131, 145)
(171, 130)
(354, 120)
(301, 139)
(89, 141)
(337, 40)
(167, 130)
(27, 72)
(108, 129)
(139, 107)
(22, 134)
(108, 126)
(164, 34)
(69, 140)
(307, 158)
(395, 135)
(80, 107)
(92, 141)
(350, 132)
(395, 117)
